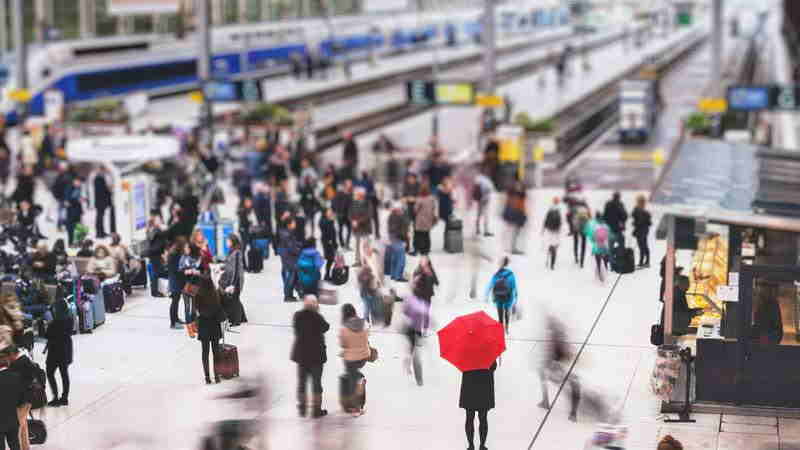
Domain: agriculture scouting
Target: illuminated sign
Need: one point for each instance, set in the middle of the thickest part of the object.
(422, 92)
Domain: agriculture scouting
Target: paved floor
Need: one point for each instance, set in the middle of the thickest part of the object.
(138, 384)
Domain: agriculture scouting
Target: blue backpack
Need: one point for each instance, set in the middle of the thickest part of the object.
(307, 271)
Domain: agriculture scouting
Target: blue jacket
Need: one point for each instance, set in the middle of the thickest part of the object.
(307, 278)
(512, 284)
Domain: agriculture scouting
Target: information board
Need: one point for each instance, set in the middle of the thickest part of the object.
(233, 91)
(770, 97)
(424, 92)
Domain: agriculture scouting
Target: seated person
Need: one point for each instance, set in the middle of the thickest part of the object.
(43, 263)
(59, 252)
(682, 315)
(119, 251)
(87, 249)
(102, 264)
(26, 218)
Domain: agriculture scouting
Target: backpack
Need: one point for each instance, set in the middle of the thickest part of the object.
(601, 236)
(37, 387)
(502, 289)
(580, 218)
(553, 220)
(477, 192)
(306, 270)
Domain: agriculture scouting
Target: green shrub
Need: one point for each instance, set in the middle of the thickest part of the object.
(698, 122)
(268, 112)
(534, 126)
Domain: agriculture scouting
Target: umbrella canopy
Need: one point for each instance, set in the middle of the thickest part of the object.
(472, 342)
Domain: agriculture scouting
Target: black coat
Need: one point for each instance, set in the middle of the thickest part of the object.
(59, 341)
(615, 216)
(27, 371)
(262, 204)
(309, 338)
(24, 190)
(641, 222)
(12, 387)
(477, 389)
(102, 193)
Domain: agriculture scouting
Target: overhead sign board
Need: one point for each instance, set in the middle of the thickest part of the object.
(713, 105)
(142, 7)
(772, 97)
(233, 91)
(424, 92)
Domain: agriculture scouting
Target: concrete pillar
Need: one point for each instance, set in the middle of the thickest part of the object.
(266, 10)
(42, 18)
(125, 25)
(88, 18)
(3, 28)
(244, 15)
(717, 44)
(489, 42)
(218, 12)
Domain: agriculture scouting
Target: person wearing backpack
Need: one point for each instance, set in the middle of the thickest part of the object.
(599, 233)
(309, 265)
(578, 216)
(551, 231)
(503, 288)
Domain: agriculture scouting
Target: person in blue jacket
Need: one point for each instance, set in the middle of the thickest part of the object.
(309, 266)
(503, 288)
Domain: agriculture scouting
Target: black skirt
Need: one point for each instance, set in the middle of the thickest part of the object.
(477, 390)
(208, 329)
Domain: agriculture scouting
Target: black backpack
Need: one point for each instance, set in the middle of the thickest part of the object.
(553, 220)
(37, 388)
(502, 289)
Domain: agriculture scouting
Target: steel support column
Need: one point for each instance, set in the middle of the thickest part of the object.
(88, 18)
(18, 19)
(3, 27)
(489, 42)
(717, 43)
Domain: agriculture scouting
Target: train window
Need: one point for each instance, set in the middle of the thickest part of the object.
(115, 79)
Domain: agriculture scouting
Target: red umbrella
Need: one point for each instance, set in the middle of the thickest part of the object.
(472, 342)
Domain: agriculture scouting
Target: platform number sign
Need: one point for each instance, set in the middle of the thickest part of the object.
(767, 97)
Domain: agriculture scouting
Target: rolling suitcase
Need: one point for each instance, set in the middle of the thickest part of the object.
(623, 260)
(86, 313)
(255, 260)
(99, 309)
(454, 236)
(114, 297)
(226, 362)
(352, 396)
(139, 278)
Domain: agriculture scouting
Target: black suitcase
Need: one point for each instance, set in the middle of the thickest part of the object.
(255, 260)
(114, 297)
(623, 261)
(350, 396)
(139, 279)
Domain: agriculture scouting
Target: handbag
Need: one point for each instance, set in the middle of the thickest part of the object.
(191, 329)
(191, 289)
(373, 354)
(37, 431)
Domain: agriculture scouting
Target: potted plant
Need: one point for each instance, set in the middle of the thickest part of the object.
(698, 124)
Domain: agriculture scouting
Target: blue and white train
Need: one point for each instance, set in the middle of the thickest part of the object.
(86, 70)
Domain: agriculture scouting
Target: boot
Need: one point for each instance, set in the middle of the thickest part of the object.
(301, 406)
(317, 410)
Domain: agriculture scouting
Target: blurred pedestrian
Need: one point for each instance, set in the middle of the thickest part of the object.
(557, 356)
(417, 315)
(26, 185)
(247, 220)
(308, 351)
(477, 397)
(615, 217)
(354, 341)
(59, 351)
(411, 188)
(350, 155)
(600, 235)
(504, 291)
(642, 221)
(104, 201)
(669, 443)
(327, 230)
(551, 232)
(369, 290)
(341, 205)
(309, 265)
(424, 282)
(289, 249)
(74, 200)
(516, 213)
(398, 227)
(20, 362)
(424, 219)
(361, 220)
(481, 195)
(190, 265)
(447, 201)
(232, 282)
(13, 388)
(177, 279)
(578, 216)
(209, 313)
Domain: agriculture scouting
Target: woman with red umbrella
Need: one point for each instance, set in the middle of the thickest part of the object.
(477, 396)
(473, 343)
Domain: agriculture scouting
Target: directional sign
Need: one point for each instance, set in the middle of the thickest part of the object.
(424, 92)
(489, 101)
(713, 105)
(20, 95)
(749, 98)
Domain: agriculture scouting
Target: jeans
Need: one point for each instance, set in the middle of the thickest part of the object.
(644, 249)
(12, 437)
(344, 224)
(188, 310)
(70, 226)
(213, 346)
(173, 308)
(503, 315)
(303, 374)
(289, 277)
(579, 243)
(369, 306)
(413, 336)
(398, 259)
(63, 369)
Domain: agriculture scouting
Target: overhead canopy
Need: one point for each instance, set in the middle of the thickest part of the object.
(122, 149)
